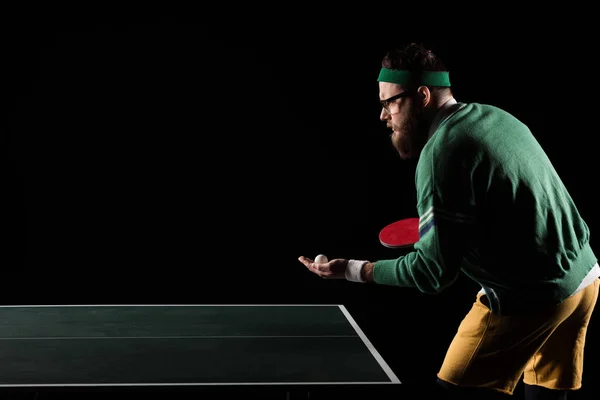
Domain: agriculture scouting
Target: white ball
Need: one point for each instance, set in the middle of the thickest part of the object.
(320, 259)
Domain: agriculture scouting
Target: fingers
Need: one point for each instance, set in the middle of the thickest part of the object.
(305, 260)
(323, 270)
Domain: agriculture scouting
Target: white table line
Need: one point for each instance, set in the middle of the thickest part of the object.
(175, 337)
(162, 305)
(134, 384)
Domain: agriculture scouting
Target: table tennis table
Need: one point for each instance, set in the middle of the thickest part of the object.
(295, 347)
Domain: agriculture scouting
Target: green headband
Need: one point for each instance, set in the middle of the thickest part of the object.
(402, 77)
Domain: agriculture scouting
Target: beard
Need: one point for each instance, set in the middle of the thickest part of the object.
(409, 138)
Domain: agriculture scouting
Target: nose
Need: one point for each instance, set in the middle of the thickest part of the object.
(384, 116)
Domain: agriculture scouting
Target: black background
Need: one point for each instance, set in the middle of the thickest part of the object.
(167, 160)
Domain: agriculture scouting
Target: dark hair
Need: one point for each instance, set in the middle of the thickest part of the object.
(416, 58)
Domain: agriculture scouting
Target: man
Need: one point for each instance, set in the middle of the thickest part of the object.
(482, 178)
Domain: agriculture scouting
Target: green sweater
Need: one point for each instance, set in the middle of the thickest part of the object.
(492, 205)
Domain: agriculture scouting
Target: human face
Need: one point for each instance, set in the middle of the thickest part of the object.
(404, 115)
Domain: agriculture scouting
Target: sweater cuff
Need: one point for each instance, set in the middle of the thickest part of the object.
(353, 270)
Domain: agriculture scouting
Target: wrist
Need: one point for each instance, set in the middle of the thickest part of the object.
(366, 272)
(354, 270)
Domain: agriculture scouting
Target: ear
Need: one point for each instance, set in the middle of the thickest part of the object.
(424, 95)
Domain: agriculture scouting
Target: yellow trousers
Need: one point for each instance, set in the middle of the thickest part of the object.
(545, 348)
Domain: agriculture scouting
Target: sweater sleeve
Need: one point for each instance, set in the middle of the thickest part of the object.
(446, 228)
(436, 260)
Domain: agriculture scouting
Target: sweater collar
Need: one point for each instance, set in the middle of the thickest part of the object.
(444, 111)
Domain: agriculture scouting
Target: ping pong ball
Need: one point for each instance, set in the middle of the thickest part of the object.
(321, 259)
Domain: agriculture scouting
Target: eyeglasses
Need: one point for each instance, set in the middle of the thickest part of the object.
(387, 102)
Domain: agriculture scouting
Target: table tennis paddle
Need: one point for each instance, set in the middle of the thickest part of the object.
(400, 234)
